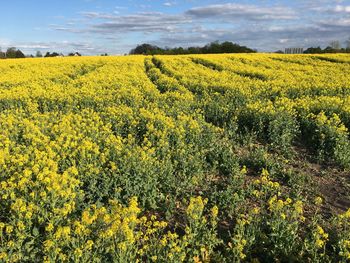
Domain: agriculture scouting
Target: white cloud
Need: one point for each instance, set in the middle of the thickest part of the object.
(342, 23)
(341, 8)
(331, 9)
(169, 4)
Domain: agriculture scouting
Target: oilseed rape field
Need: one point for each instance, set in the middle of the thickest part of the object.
(196, 158)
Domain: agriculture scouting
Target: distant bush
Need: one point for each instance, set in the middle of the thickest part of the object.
(53, 54)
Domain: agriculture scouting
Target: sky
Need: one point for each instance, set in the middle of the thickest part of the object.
(108, 26)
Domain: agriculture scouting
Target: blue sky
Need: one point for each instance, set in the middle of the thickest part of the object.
(98, 26)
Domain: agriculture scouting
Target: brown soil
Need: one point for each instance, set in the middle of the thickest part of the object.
(331, 183)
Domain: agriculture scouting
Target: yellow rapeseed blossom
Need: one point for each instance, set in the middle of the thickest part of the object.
(318, 200)
(75, 132)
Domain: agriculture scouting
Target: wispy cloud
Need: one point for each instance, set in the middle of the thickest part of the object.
(240, 11)
(340, 9)
(144, 22)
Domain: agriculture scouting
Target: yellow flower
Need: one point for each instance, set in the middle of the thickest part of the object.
(319, 243)
(276, 185)
(48, 244)
(257, 181)
(256, 210)
(11, 244)
(20, 226)
(89, 244)
(298, 206)
(265, 172)
(122, 246)
(163, 241)
(49, 227)
(318, 200)
(3, 256)
(283, 216)
(78, 252)
(9, 229)
(196, 259)
(320, 230)
(28, 215)
(347, 213)
(195, 208)
(279, 204)
(62, 257)
(214, 211)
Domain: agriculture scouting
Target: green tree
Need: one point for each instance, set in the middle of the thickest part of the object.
(313, 50)
(335, 45)
(53, 54)
(347, 42)
(2, 54)
(38, 54)
(11, 52)
(19, 54)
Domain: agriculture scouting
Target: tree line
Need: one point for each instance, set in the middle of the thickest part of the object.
(211, 48)
(333, 47)
(13, 52)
